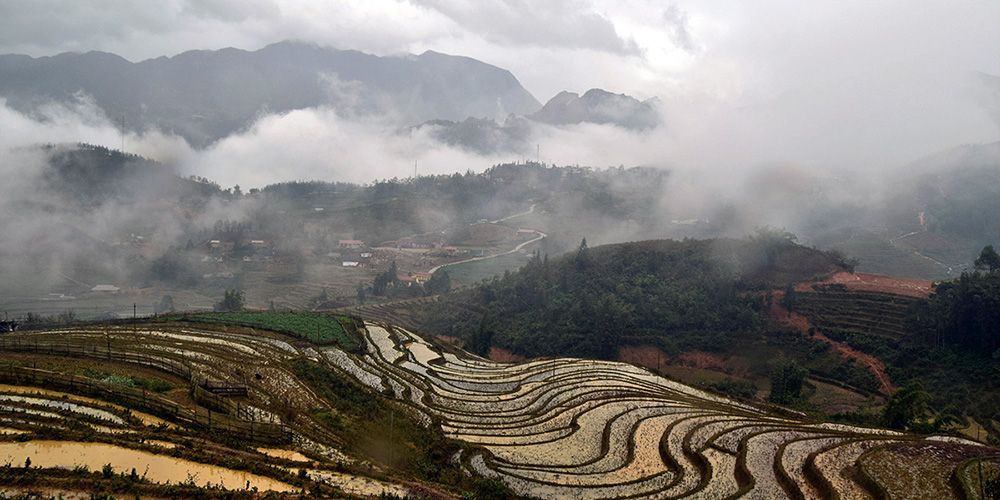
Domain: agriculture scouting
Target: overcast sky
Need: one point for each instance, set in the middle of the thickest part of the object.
(643, 47)
(859, 84)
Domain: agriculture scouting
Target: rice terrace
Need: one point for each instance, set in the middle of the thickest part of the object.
(237, 408)
(499, 249)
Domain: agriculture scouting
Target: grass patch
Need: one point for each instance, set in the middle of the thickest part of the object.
(316, 328)
(374, 428)
(469, 273)
(150, 384)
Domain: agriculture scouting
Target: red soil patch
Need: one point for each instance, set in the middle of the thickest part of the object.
(655, 359)
(704, 360)
(643, 355)
(875, 283)
(801, 324)
(504, 356)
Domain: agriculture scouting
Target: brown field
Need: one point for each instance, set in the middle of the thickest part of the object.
(875, 283)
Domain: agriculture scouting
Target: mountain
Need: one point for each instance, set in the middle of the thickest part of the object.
(598, 106)
(204, 95)
(515, 133)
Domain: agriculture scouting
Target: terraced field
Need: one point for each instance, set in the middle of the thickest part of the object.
(570, 428)
(551, 428)
(840, 312)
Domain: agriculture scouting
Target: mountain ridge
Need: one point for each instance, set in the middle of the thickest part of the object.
(204, 95)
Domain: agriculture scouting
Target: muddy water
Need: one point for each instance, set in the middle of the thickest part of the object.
(284, 454)
(158, 468)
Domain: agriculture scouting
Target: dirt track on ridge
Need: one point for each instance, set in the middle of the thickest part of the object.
(874, 283)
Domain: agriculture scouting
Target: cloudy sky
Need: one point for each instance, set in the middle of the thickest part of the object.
(642, 47)
(856, 82)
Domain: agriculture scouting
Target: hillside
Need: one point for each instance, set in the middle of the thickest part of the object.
(90, 215)
(406, 416)
(714, 314)
(598, 106)
(691, 294)
(204, 95)
(516, 133)
(942, 336)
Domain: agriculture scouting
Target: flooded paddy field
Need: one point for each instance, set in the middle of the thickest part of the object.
(399, 414)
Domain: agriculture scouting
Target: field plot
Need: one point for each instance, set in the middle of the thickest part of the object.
(550, 428)
(593, 429)
(318, 328)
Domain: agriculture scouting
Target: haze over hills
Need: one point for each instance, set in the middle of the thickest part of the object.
(204, 95)
(515, 133)
(599, 106)
(288, 270)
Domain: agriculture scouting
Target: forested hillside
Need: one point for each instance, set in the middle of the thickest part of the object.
(691, 294)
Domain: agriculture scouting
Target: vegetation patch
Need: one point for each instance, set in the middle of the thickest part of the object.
(317, 328)
(150, 384)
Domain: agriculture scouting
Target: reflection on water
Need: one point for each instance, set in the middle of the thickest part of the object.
(157, 468)
(66, 406)
(284, 454)
(145, 418)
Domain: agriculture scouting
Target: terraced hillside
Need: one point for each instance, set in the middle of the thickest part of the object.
(553, 428)
(838, 312)
(572, 428)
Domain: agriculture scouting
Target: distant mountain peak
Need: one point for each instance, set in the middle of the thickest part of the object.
(599, 106)
(205, 95)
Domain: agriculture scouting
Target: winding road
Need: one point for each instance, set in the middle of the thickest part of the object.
(539, 236)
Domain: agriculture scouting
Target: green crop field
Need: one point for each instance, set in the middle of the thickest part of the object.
(317, 328)
(468, 273)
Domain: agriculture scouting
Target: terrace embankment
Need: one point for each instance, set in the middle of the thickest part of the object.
(238, 391)
(851, 304)
(551, 428)
(802, 324)
(574, 428)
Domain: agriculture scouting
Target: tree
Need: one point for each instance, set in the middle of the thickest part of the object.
(582, 255)
(166, 304)
(480, 342)
(232, 301)
(787, 378)
(905, 406)
(386, 280)
(790, 298)
(440, 282)
(361, 293)
(988, 260)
